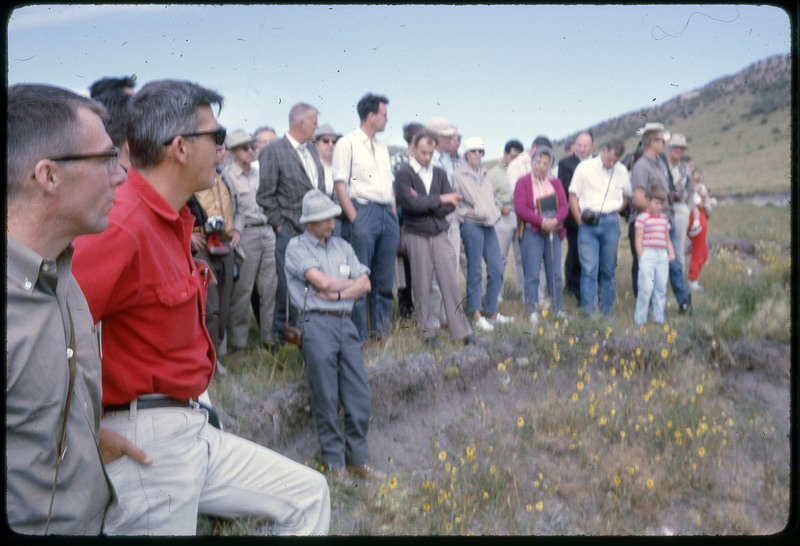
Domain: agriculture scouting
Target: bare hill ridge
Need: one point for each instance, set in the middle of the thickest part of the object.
(737, 127)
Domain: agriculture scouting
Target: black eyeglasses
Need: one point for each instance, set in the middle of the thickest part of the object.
(112, 156)
(218, 135)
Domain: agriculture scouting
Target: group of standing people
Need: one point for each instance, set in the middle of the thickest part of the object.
(123, 295)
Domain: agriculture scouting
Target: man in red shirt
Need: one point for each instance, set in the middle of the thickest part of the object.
(142, 284)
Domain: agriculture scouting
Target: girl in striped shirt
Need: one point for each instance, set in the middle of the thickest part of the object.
(654, 251)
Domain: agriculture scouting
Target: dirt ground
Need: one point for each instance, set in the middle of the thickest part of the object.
(414, 400)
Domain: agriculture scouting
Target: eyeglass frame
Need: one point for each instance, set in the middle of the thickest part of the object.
(218, 134)
(113, 153)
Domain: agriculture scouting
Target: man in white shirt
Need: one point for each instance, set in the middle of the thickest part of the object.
(600, 188)
(363, 184)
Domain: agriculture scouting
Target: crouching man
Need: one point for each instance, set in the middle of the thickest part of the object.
(324, 278)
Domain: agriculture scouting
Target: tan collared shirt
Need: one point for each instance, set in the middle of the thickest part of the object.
(37, 379)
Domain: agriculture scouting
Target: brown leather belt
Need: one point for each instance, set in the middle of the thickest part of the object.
(152, 403)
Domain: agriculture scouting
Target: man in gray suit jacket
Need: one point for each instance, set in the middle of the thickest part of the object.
(288, 167)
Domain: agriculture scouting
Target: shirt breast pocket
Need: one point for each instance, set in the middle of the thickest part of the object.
(179, 319)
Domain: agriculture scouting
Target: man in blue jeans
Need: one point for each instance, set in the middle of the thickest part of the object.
(362, 177)
(650, 169)
(600, 188)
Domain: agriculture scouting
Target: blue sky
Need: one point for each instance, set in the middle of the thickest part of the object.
(495, 71)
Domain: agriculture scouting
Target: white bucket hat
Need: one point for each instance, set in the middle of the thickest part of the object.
(317, 207)
(473, 143)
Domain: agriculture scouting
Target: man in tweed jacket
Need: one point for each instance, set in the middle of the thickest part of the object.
(289, 167)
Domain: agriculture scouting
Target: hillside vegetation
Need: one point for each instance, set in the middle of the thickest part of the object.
(737, 127)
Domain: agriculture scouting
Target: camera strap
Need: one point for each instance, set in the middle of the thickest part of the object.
(610, 178)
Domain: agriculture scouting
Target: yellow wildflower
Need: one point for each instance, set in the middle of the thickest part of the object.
(580, 385)
(539, 506)
(426, 507)
(529, 508)
(442, 456)
(664, 353)
(699, 389)
(574, 396)
(501, 367)
(617, 480)
(520, 422)
(393, 482)
(650, 484)
(701, 452)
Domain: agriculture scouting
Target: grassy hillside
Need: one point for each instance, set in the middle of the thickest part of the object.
(737, 127)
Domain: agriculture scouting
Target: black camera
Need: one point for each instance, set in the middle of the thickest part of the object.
(215, 224)
(590, 217)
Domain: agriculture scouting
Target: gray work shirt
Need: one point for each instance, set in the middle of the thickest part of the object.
(647, 170)
(37, 380)
(337, 259)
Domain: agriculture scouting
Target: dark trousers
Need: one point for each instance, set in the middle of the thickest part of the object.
(572, 265)
(375, 237)
(282, 291)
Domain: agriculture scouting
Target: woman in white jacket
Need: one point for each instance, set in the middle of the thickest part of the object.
(477, 214)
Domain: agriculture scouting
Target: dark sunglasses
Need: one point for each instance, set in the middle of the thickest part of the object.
(328, 140)
(218, 135)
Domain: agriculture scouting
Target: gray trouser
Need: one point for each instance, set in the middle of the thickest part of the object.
(335, 369)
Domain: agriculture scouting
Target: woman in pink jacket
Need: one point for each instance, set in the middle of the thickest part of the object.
(539, 217)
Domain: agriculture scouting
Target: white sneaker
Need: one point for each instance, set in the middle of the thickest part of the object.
(694, 286)
(483, 325)
(534, 318)
(501, 319)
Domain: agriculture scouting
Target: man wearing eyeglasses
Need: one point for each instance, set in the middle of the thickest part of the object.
(62, 172)
(288, 168)
(141, 282)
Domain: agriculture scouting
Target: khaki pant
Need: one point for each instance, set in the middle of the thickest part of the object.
(256, 270)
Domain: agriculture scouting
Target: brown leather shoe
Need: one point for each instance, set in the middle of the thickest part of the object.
(366, 471)
(336, 475)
